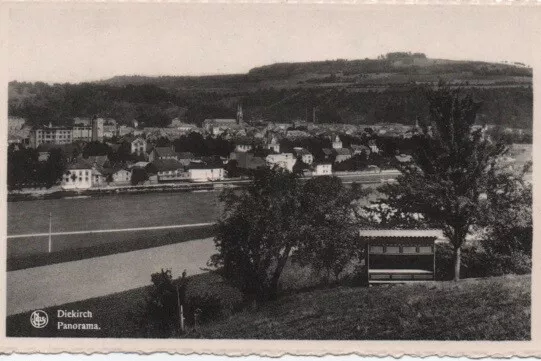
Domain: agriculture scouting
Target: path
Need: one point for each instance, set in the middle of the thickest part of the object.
(41, 287)
(111, 230)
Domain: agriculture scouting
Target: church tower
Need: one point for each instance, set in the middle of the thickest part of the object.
(240, 118)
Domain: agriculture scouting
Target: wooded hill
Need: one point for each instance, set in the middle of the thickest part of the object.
(387, 89)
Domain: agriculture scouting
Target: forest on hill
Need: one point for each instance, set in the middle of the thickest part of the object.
(387, 89)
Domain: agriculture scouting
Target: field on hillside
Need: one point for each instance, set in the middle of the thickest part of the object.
(477, 309)
(496, 308)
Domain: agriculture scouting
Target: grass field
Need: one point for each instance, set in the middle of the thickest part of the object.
(77, 247)
(476, 309)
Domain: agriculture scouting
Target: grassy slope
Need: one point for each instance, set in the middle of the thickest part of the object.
(104, 244)
(483, 309)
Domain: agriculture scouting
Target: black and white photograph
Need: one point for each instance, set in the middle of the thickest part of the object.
(269, 172)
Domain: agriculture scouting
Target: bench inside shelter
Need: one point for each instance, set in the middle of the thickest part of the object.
(399, 255)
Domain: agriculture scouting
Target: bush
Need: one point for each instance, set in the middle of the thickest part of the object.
(161, 315)
(477, 262)
(208, 307)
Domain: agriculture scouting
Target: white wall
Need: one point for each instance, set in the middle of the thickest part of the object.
(204, 175)
(83, 179)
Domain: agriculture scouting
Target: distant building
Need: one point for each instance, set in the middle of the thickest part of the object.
(162, 153)
(121, 176)
(138, 146)
(342, 154)
(404, 158)
(248, 160)
(337, 143)
(82, 132)
(306, 156)
(15, 124)
(273, 145)
(97, 129)
(124, 130)
(185, 158)
(205, 172)
(78, 176)
(170, 170)
(322, 169)
(282, 160)
(360, 149)
(219, 126)
(243, 146)
(373, 146)
(240, 116)
(297, 134)
(50, 135)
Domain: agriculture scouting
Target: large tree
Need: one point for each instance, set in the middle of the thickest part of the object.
(257, 232)
(330, 225)
(452, 168)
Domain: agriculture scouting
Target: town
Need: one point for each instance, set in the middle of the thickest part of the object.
(97, 153)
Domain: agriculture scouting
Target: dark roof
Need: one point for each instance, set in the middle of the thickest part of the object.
(202, 165)
(165, 152)
(185, 155)
(163, 165)
(302, 152)
(98, 159)
(403, 158)
(327, 151)
(79, 164)
(65, 148)
(343, 151)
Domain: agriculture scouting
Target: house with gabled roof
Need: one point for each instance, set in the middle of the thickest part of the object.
(162, 153)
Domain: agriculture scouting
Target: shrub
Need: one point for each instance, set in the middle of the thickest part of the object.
(161, 314)
(477, 262)
(208, 307)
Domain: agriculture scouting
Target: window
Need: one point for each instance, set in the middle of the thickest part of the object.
(392, 249)
(425, 249)
(409, 249)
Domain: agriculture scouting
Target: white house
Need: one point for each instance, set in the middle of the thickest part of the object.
(337, 143)
(122, 176)
(205, 173)
(306, 156)
(273, 145)
(323, 169)
(170, 170)
(243, 147)
(139, 146)
(282, 160)
(77, 176)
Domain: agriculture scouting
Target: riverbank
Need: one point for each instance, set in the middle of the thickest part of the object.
(58, 193)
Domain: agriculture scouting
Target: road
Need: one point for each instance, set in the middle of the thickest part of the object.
(41, 287)
(154, 228)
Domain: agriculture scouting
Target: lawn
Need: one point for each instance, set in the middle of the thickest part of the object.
(102, 244)
(476, 309)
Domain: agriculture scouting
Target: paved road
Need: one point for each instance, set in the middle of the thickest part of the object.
(40, 287)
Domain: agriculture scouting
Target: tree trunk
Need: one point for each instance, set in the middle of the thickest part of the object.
(457, 263)
(272, 292)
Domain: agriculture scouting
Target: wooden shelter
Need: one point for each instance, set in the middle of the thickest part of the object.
(400, 255)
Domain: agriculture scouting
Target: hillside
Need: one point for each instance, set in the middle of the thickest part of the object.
(393, 70)
(369, 91)
(475, 309)
(495, 308)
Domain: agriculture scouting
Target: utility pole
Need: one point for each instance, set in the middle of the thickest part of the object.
(180, 313)
(50, 229)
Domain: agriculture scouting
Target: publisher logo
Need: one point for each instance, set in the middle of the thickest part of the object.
(39, 319)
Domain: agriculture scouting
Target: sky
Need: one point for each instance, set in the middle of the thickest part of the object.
(59, 42)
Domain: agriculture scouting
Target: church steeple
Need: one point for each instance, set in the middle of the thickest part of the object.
(239, 114)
